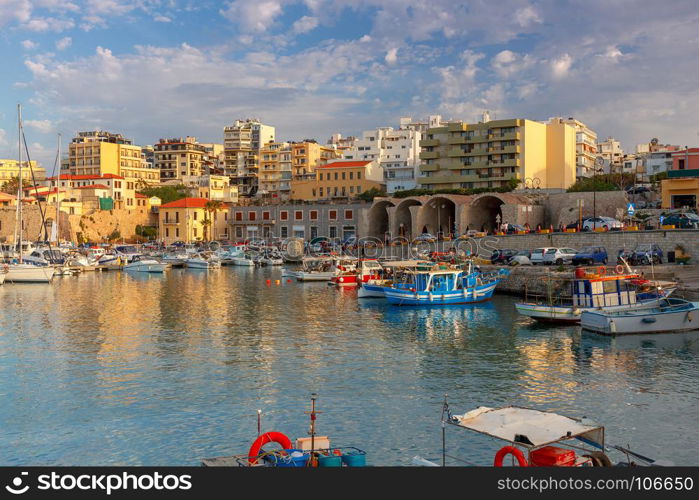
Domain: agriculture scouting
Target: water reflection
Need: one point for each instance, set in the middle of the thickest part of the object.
(131, 368)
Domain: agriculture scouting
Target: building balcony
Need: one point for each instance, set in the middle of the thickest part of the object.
(457, 140)
(432, 167)
(171, 222)
(424, 143)
(429, 155)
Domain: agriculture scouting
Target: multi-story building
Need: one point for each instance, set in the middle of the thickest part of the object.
(339, 179)
(491, 154)
(681, 188)
(9, 169)
(611, 155)
(299, 221)
(86, 188)
(215, 155)
(211, 187)
(306, 156)
(242, 142)
(192, 219)
(100, 152)
(178, 157)
(585, 146)
(275, 170)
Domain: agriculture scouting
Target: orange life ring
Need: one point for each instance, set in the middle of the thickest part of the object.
(507, 450)
(619, 269)
(602, 270)
(263, 439)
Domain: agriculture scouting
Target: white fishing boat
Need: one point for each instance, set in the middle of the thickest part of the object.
(668, 316)
(145, 264)
(593, 292)
(203, 260)
(317, 269)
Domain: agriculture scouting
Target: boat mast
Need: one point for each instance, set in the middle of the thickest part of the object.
(58, 197)
(19, 183)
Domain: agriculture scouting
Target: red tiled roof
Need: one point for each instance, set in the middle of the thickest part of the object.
(83, 177)
(186, 203)
(93, 186)
(346, 164)
(141, 195)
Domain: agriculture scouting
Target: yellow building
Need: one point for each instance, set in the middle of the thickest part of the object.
(340, 179)
(192, 219)
(100, 152)
(492, 153)
(177, 158)
(681, 189)
(9, 169)
(307, 155)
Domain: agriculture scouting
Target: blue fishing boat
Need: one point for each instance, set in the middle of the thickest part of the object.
(444, 286)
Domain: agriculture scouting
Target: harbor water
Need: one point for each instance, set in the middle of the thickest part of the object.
(136, 369)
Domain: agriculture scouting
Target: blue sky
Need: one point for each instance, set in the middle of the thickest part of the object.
(157, 68)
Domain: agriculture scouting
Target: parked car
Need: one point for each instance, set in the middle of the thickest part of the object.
(512, 228)
(643, 254)
(682, 221)
(590, 255)
(559, 256)
(602, 222)
(502, 256)
(522, 258)
(537, 256)
(426, 237)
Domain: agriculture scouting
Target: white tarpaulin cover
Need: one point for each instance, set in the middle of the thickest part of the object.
(539, 427)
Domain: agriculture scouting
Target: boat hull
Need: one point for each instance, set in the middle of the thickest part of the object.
(146, 268)
(466, 296)
(368, 291)
(320, 276)
(29, 274)
(645, 320)
(568, 314)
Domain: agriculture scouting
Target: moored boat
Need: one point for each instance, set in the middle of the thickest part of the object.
(28, 273)
(145, 264)
(666, 316)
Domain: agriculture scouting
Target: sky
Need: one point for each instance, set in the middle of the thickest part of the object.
(170, 68)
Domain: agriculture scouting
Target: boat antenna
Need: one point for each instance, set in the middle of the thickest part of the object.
(259, 422)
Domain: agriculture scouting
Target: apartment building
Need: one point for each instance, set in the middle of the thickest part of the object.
(611, 155)
(585, 146)
(192, 219)
(306, 156)
(242, 142)
(9, 169)
(339, 179)
(179, 157)
(490, 154)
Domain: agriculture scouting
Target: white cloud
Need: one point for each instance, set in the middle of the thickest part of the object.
(560, 67)
(43, 24)
(305, 24)
(43, 126)
(29, 44)
(391, 56)
(64, 43)
(256, 16)
(527, 16)
(162, 19)
(15, 11)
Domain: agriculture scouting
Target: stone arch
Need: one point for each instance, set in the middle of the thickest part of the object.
(379, 223)
(404, 218)
(485, 212)
(438, 216)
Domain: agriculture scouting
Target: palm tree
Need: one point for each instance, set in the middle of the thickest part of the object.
(211, 207)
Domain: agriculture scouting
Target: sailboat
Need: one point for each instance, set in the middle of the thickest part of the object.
(20, 272)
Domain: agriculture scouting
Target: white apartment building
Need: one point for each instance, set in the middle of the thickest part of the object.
(242, 142)
(611, 153)
(396, 151)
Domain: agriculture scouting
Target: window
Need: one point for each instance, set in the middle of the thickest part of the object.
(320, 191)
(196, 214)
(313, 192)
(343, 176)
(252, 215)
(265, 215)
(314, 215)
(349, 214)
(332, 214)
(314, 232)
(335, 175)
(333, 232)
(359, 175)
(298, 215)
(238, 232)
(167, 232)
(177, 232)
(351, 175)
(239, 216)
(177, 216)
(283, 215)
(284, 232)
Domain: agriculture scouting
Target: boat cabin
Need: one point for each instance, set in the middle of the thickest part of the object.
(602, 292)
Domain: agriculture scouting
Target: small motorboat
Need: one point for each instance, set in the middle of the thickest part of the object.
(536, 438)
(203, 260)
(312, 451)
(317, 269)
(666, 316)
(144, 264)
(246, 259)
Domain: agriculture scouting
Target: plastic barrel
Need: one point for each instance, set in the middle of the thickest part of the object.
(287, 460)
(329, 461)
(354, 459)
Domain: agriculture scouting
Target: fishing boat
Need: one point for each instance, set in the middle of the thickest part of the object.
(390, 272)
(443, 285)
(352, 272)
(203, 260)
(536, 438)
(317, 269)
(666, 316)
(593, 292)
(144, 264)
(311, 451)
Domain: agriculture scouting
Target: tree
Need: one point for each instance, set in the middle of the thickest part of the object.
(11, 185)
(211, 207)
(166, 193)
(370, 194)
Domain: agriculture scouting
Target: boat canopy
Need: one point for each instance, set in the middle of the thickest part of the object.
(530, 428)
(406, 263)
